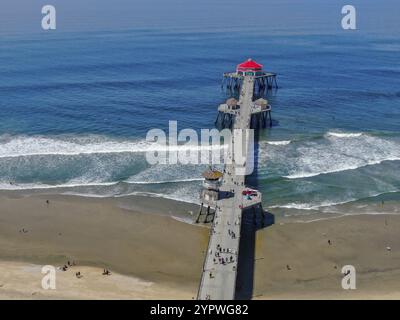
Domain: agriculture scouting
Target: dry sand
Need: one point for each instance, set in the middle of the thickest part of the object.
(152, 256)
(23, 281)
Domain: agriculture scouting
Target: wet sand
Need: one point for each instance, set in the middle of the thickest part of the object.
(153, 256)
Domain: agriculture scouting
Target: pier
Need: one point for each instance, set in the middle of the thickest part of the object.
(225, 195)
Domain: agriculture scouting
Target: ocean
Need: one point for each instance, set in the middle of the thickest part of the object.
(75, 109)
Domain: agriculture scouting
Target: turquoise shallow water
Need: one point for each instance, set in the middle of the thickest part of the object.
(75, 109)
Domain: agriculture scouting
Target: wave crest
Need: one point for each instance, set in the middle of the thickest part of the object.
(344, 134)
(279, 143)
(334, 152)
(24, 146)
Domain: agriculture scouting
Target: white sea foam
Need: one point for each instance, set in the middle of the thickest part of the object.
(337, 154)
(325, 204)
(311, 206)
(182, 193)
(42, 186)
(332, 153)
(23, 146)
(279, 143)
(159, 195)
(172, 173)
(344, 134)
(341, 168)
(186, 220)
(163, 181)
(178, 195)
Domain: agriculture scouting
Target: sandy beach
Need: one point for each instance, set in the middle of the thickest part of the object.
(154, 256)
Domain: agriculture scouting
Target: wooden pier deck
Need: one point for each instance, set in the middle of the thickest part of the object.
(218, 281)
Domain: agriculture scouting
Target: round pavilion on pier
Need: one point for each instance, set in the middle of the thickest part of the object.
(249, 68)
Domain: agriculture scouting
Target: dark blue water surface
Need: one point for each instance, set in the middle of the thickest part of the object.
(75, 109)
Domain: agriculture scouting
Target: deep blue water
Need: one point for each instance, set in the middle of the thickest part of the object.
(75, 109)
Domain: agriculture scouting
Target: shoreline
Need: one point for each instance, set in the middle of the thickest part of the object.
(148, 245)
(186, 210)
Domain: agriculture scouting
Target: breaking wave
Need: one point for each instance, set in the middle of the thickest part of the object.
(99, 166)
(339, 152)
(24, 146)
(344, 135)
(326, 204)
(42, 186)
(311, 206)
(279, 143)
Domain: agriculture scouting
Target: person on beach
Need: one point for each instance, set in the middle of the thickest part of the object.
(106, 272)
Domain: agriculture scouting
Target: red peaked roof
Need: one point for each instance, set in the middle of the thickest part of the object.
(249, 65)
